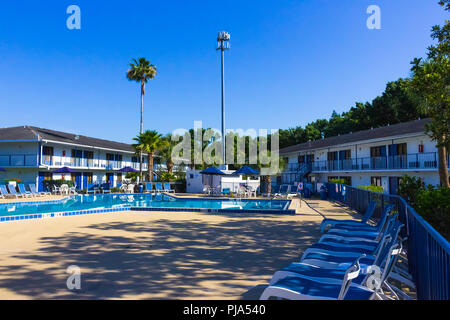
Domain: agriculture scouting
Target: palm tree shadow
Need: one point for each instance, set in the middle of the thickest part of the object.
(163, 259)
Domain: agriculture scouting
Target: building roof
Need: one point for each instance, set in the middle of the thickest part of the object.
(34, 133)
(404, 128)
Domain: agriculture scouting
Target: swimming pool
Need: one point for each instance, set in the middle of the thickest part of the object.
(148, 202)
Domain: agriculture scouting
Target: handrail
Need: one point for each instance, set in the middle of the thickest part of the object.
(428, 251)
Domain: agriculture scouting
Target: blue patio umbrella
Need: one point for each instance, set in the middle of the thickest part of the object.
(212, 171)
(64, 170)
(246, 170)
(127, 169)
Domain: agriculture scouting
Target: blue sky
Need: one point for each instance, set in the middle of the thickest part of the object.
(290, 62)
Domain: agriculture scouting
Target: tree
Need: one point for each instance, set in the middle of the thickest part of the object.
(141, 71)
(166, 152)
(150, 142)
(431, 80)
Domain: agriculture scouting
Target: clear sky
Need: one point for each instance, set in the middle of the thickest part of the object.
(290, 62)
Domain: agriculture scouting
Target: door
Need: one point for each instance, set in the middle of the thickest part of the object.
(110, 179)
(42, 176)
(332, 160)
(76, 179)
(393, 185)
(87, 178)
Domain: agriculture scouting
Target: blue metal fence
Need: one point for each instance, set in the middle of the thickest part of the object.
(428, 252)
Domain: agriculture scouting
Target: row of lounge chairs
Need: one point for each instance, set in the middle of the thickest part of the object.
(129, 188)
(158, 187)
(353, 260)
(284, 191)
(10, 191)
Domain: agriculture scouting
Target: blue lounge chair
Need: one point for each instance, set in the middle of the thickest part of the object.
(283, 191)
(365, 218)
(357, 247)
(13, 192)
(92, 188)
(158, 187)
(24, 192)
(297, 288)
(385, 264)
(34, 191)
(167, 188)
(106, 187)
(336, 255)
(344, 228)
(149, 187)
(3, 192)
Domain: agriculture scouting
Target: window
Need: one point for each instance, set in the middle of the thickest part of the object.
(48, 175)
(89, 177)
(47, 151)
(89, 154)
(375, 181)
(345, 154)
(379, 151)
(332, 156)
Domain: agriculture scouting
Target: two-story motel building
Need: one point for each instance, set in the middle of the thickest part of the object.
(31, 154)
(379, 156)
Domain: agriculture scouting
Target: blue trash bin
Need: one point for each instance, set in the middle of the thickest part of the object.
(323, 193)
(141, 188)
(307, 193)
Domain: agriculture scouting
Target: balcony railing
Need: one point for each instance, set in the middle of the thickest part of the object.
(18, 160)
(416, 161)
(56, 161)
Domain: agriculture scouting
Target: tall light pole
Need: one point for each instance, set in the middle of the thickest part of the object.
(222, 44)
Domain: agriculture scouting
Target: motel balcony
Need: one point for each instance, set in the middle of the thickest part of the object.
(32, 161)
(416, 161)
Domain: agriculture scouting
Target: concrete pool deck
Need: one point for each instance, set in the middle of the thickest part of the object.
(155, 255)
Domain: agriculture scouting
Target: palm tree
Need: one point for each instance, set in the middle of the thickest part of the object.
(166, 152)
(141, 71)
(150, 142)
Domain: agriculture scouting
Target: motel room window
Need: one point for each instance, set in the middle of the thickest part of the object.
(47, 151)
(89, 154)
(379, 151)
(332, 156)
(375, 181)
(345, 154)
(89, 177)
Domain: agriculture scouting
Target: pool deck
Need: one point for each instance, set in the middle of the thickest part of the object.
(155, 255)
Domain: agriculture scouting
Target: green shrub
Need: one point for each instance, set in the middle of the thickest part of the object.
(378, 189)
(336, 180)
(433, 204)
(409, 189)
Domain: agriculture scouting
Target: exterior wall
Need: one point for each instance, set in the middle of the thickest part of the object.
(18, 154)
(24, 161)
(194, 181)
(361, 167)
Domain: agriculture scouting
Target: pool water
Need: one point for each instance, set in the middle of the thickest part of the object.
(108, 201)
